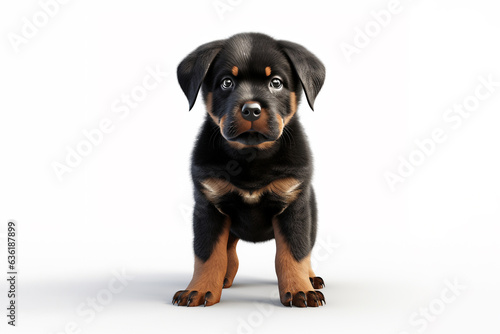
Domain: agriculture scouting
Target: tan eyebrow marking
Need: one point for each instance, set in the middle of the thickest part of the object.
(268, 71)
(235, 70)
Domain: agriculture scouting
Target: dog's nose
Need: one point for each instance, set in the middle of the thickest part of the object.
(251, 111)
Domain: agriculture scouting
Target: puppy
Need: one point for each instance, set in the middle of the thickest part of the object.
(251, 164)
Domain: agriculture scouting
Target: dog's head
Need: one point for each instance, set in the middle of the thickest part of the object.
(252, 85)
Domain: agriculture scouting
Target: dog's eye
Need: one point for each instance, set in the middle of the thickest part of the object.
(226, 84)
(276, 83)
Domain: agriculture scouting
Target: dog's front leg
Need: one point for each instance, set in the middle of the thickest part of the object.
(211, 232)
(292, 231)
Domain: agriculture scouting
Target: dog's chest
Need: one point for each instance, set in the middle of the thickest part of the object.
(284, 190)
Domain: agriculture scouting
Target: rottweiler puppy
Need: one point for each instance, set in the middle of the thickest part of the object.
(251, 164)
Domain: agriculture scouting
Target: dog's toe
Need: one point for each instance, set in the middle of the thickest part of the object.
(191, 298)
(177, 296)
(317, 282)
(303, 299)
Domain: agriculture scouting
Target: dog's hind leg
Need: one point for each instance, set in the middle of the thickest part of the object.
(232, 261)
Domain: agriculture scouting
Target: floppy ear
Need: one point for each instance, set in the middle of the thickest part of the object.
(309, 68)
(192, 70)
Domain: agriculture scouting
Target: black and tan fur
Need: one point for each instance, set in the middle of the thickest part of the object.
(252, 172)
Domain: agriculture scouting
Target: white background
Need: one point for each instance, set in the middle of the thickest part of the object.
(383, 254)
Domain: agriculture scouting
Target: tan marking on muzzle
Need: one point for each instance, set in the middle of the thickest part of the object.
(262, 146)
(261, 124)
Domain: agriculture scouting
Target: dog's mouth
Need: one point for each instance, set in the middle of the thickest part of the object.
(250, 137)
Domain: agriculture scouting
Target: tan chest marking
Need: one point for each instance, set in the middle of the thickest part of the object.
(287, 188)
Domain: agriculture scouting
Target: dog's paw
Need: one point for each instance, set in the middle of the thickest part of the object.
(303, 299)
(195, 298)
(317, 282)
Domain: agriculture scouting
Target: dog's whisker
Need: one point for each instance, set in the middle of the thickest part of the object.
(213, 136)
(288, 135)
